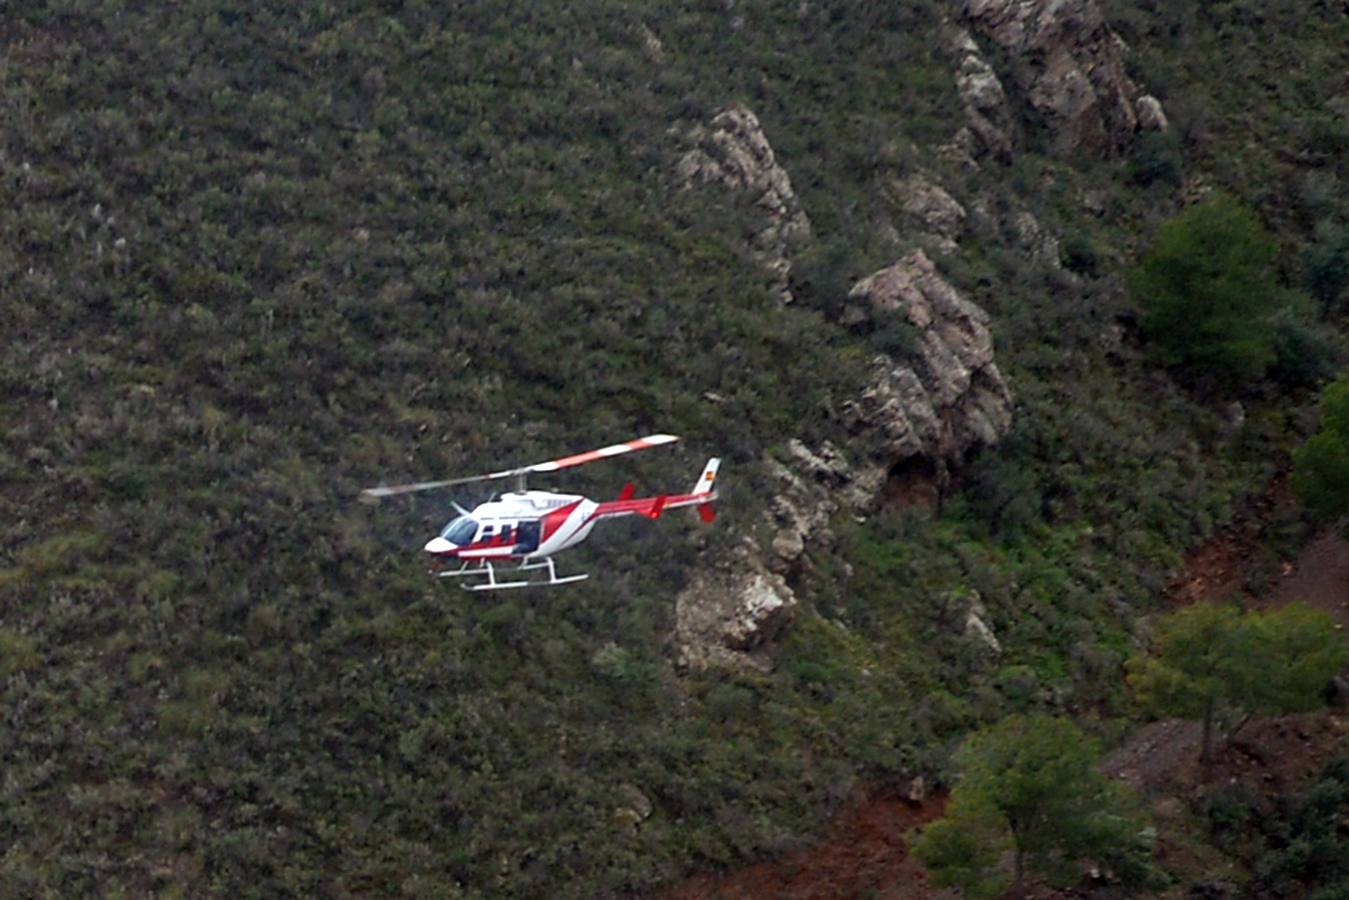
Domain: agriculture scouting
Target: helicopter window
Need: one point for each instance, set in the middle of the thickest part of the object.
(505, 534)
(487, 533)
(460, 531)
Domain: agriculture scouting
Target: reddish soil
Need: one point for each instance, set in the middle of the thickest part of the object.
(1217, 570)
(863, 854)
(1220, 569)
(1319, 576)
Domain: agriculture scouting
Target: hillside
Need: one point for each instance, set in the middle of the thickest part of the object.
(254, 261)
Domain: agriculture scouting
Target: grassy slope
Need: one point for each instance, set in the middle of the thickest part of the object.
(253, 262)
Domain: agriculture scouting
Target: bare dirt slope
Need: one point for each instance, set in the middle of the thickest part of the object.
(863, 854)
(1319, 576)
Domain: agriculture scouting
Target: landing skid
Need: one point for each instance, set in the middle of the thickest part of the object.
(476, 569)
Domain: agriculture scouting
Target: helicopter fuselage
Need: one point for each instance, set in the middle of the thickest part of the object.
(517, 525)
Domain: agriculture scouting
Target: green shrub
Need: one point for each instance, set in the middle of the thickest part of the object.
(1321, 466)
(1325, 264)
(1208, 291)
(1156, 160)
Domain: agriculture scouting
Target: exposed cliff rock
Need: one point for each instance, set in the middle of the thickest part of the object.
(1151, 117)
(733, 152)
(949, 398)
(915, 419)
(936, 216)
(1035, 240)
(1070, 66)
(990, 128)
(968, 615)
(728, 615)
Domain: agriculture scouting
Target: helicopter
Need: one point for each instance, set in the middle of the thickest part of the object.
(521, 530)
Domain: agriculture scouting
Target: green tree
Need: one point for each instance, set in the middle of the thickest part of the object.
(1326, 263)
(1321, 466)
(1220, 666)
(1031, 783)
(1207, 287)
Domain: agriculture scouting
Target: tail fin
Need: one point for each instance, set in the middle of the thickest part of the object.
(704, 486)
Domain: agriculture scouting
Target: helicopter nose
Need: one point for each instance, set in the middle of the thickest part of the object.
(438, 545)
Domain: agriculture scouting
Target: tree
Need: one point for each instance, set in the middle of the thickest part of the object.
(1220, 666)
(1207, 287)
(1321, 466)
(1326, 263)
(1030, 783)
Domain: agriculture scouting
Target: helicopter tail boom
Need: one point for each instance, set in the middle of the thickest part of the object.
(702, 496)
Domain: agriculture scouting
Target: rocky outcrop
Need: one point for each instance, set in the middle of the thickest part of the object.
(632, 807)
(970, 617)
(1070, 66)
(727, 617)
(734, 153)
(918, 416)
(1035, 241)
(935, 216)
(948, 398)
(1151, 117)
(990, 128)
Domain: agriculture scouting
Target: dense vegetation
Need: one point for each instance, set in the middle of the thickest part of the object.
(1031, 784)
(1321, 466)
(253, 260)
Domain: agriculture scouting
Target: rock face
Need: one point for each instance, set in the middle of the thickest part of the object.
(733, 152)
(915, 419)
(950, 398)
(937, 216)
(1151, 117)
(1035, 241)
(1069, 64)
(990, 128)
(727, 616)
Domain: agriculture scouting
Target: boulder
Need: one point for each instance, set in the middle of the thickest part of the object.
(1069, 65)
(633, 807)
(727, 617)
(1151, 117)
(966, 614)
(734, 152)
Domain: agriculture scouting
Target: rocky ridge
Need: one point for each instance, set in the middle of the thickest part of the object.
(732, 151)
(990, 128)
(1070, 67)
(909, 426)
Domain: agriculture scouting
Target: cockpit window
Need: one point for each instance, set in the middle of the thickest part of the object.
(460, 531)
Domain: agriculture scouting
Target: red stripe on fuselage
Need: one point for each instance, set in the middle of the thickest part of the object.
(551, 522)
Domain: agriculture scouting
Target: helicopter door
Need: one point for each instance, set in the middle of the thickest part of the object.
(527, 536)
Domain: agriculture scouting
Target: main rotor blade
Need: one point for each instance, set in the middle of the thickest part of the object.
(377, 493)
(565, 462)
(580, 459)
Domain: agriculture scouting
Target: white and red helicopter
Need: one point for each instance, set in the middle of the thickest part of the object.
(527, 528)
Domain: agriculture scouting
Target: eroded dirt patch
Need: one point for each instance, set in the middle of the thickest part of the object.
(1319, 577)
(863, 854)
